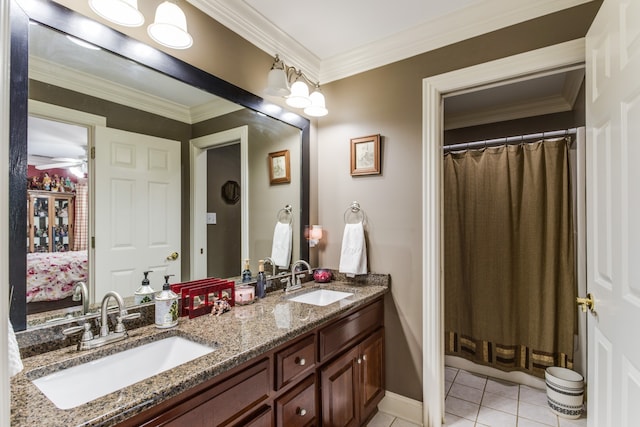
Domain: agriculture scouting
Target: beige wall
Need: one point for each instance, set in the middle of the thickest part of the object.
(388, 101)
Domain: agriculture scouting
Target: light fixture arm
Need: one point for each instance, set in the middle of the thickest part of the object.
(287, 81)
(290, 71)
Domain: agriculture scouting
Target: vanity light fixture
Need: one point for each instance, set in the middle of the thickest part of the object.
(297, 95)
(170, 27)
(121, 12)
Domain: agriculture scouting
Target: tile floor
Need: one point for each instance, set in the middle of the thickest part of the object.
(477, 401)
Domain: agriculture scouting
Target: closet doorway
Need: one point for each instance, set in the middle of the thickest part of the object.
(496, 73)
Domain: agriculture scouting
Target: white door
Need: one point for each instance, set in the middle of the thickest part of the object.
(613, 214)
(137, 210)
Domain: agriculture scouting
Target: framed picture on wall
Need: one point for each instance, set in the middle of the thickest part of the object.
(365, 155)
(279, 169)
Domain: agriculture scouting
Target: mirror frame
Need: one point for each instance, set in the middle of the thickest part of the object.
(62, 19)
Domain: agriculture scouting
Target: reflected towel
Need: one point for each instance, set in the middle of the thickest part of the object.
(15, 362)
(353, 258)
(281, 247)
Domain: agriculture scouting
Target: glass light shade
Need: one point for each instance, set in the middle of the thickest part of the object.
(299, 97)
(121, 12)
(317, 107)
(170, 27)
(277, 84)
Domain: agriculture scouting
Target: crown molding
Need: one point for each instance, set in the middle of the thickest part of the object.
(215, 108)
(68, 78)
(245, 21)
(475, 20)
(557, 103)
(517, 110)
(479, 18)
(77, 81)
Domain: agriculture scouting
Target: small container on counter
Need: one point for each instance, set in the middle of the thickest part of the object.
(245, 294)
(322, 275)
(166, 306)
(145, 292)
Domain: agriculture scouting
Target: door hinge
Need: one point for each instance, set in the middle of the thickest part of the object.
(93, 242)
(93, 152)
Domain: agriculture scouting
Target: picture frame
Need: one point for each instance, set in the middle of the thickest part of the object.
(365, 155)
(279, 167)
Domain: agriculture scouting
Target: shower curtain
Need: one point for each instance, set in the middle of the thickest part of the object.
(510, 281)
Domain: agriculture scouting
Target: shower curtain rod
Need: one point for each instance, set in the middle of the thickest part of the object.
(508, 140)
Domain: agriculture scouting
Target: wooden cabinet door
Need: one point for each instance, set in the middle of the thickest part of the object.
(340, 399)
(371, 361)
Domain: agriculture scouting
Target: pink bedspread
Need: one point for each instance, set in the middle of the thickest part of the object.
(51, 275)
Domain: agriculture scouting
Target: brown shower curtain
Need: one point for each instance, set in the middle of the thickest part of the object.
(510, 284)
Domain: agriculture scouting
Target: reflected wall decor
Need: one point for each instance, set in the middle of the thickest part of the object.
(279, 169)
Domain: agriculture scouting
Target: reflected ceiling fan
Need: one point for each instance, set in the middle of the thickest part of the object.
(62, 163)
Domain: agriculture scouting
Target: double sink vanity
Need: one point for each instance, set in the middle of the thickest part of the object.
(310, 357)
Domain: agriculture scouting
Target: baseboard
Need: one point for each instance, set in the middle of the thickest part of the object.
(401, 407)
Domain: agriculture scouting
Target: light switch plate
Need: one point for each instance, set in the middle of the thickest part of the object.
(211, 218)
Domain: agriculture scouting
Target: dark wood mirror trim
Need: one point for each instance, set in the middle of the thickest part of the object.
(63, 19)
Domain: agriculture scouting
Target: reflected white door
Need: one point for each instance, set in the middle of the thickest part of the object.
(137, 210)
(613, 214)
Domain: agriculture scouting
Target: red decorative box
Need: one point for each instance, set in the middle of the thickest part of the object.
(198, 296)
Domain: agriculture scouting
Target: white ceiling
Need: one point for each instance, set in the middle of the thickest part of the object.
(333, 39)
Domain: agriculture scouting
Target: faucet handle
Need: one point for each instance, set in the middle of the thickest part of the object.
(85, 328)
(73, 330)
(119, 325)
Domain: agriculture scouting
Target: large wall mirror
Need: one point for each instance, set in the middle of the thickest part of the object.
(197, 145)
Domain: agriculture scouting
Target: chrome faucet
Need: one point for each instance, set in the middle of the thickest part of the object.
(88, 341)
(268, 260)
(81, 293)
(298, 275)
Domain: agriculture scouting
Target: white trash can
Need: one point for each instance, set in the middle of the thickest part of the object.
(565, 391)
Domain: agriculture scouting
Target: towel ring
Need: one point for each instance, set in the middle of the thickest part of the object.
(285, 215)
(354, 214)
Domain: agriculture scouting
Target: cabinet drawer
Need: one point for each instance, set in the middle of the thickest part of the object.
(347, 331)
(297, 407)
(295, 360)
(228, 400)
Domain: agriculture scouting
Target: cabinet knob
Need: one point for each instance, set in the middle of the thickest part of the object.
(359, 360)
(301, 411)
(300, 361)
(364, 357)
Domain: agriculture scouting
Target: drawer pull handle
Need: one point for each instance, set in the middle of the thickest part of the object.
(300, 361)
(301, 411)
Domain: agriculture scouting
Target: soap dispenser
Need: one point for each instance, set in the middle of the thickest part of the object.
(166, 306)
(261, 280)
(246, 273)
(145, 292)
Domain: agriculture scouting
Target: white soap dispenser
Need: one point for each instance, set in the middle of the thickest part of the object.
(166, 306)
(145, 292)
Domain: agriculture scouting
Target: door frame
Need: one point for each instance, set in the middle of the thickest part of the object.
(198, 160)
(517, 67)
(89, 121)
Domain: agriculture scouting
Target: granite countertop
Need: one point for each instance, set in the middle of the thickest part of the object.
(238, 336)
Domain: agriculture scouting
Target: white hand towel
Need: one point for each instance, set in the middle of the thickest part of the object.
(282, 243)
(353, 258)
(15, 362)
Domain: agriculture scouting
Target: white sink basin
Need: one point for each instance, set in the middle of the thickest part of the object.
(321, 297)
(80, 384)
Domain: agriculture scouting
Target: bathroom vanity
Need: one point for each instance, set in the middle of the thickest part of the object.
(275, 363)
